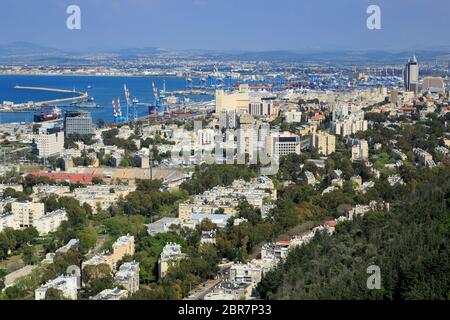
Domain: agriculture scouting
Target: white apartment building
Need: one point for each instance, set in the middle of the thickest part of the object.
(246, 273)
(7, 221)
(293, 116)
(171, 253)
(50, 222)
(111, 294)
(68, 285)
(26, 213)
(205, 137)
(128, 276)
(348, 126)
(360, 151)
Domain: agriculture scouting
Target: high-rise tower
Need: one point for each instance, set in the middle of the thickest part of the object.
(411, 74)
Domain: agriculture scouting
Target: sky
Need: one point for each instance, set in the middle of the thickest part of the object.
(255, 25)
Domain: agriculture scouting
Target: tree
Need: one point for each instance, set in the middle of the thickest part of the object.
(87, 237)
(247, 211)
(97, 277)
(54, 294)
(101, 123)
(28, 255)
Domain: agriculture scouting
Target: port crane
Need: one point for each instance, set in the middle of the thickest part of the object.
(117, 112)
(132, 113)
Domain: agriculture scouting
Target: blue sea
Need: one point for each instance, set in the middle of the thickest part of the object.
(104, 89)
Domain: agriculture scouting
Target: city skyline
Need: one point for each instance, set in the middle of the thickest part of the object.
(212, 25)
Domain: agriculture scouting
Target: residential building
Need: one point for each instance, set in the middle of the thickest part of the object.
(246, 273)
(26, 213)
(112, 294)
(228, 290)
(360, 151)
(171, 253)
(162, 225)
(310, 178)
(73, 243)
(208, 237)
(323, 143)
(293, 116)
(123, 246)
(128, 276)
(424, 158)
(50, 221)
(68, 285)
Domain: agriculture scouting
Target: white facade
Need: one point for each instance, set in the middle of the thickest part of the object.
(128, 276)
(68, 285)
(48, 142)
(360, 151)
(282, 144)
(50, 222)
(26, 213)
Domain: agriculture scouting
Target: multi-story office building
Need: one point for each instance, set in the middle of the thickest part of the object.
(433, 84)
(78, 122)
(229, 101)
(411, 74)
(282, 144)
(48, 141)
(323, 143)
(261, 107)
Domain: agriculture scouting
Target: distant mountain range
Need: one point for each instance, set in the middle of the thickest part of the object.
(24, 52)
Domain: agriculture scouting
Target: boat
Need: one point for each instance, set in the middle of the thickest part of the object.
(47, 115)
(89, 86)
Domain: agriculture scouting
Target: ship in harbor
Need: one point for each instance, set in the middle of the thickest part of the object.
(47, 115)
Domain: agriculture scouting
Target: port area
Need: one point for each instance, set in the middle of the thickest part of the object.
(28, 106)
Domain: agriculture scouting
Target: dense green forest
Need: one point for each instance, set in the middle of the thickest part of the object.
(410, 244)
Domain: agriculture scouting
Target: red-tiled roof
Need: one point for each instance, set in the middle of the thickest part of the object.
(283, 242)
(317, 117)
(71, 177)
(330, 223)
(408, 109)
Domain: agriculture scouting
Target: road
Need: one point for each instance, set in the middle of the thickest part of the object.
(199, 292)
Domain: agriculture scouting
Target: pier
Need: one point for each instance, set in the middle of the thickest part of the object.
(78, 95)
